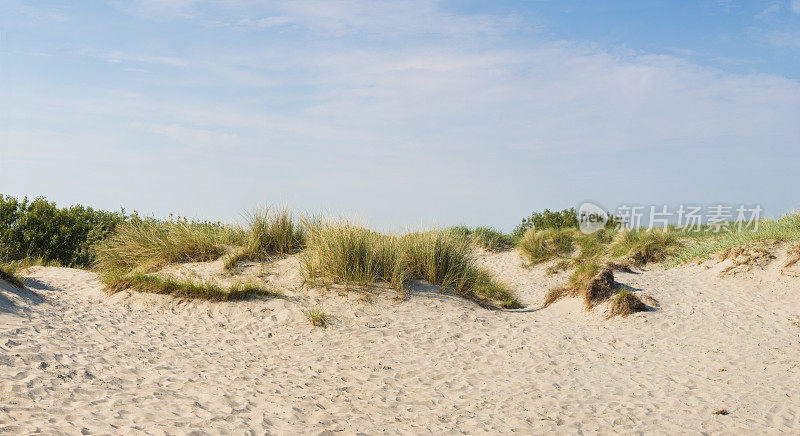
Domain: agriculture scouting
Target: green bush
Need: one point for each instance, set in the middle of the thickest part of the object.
(39, 229)
(548, 219)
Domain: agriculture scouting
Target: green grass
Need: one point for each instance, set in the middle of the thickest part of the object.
(542, 245)
(701, 246)
(146, 246)
(644, 246)
(317, 316)
(343, 252)
(485, 237)
(269, 232)
(211, 291)
(11, 278)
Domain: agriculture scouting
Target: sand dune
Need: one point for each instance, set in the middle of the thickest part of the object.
(81, 361)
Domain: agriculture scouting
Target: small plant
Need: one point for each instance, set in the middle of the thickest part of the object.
(720, 412)
(317, 316)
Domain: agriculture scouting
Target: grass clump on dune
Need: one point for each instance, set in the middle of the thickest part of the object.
(211, 291)
(343, 252)
(147, 245)
(269, 232)
(785, 228)
(644, 246)
(442, 260)
(625, 303)
(542, 245)
(11, 278)
(485, 237)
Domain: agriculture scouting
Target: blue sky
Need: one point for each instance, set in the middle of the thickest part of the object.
(401, 113)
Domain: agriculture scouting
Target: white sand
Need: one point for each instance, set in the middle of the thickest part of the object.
(131, 364)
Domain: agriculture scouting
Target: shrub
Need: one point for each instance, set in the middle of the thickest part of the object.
(547, 219)
(148, 245)
(38, 229)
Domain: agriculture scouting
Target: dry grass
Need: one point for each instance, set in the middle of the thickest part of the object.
(11, 278)
(146, 246)
(577, 285)
(211, 291)
(625, 303)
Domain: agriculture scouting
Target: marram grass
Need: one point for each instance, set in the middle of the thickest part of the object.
(147, 246)
(343, 252)
(269, 232)
(209, 290)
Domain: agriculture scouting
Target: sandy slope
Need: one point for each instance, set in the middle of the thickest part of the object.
(127, 364)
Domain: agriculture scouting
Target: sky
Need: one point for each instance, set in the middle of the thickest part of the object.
(402, 114)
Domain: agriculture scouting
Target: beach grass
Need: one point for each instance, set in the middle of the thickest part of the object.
(341, 251)
(704, 244)
(147, 245)
(269, 232)
(209, 290)
(317, 316)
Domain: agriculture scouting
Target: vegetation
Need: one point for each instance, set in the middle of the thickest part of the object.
(547, 219)
(11, 278)
(148, 245)
(39, 230)
(269, 232)
(542, 245)
(485, 237)
(785, 228)
(625, 303)
(317, 316)
(343, 252)
(644, 246)
(211, 291)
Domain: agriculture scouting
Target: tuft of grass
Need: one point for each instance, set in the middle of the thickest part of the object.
(785, 228)
(342, 252)
(317, 316)
(542, 245)
(269, 232)
(625, 303)
(211, 291)
(11, 278)
(644, 246)
(720, 412)
(443, 260)
(145, 245)
(492, 239)
(591, 281)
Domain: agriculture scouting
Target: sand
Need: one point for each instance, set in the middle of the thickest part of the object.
(79, 361)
